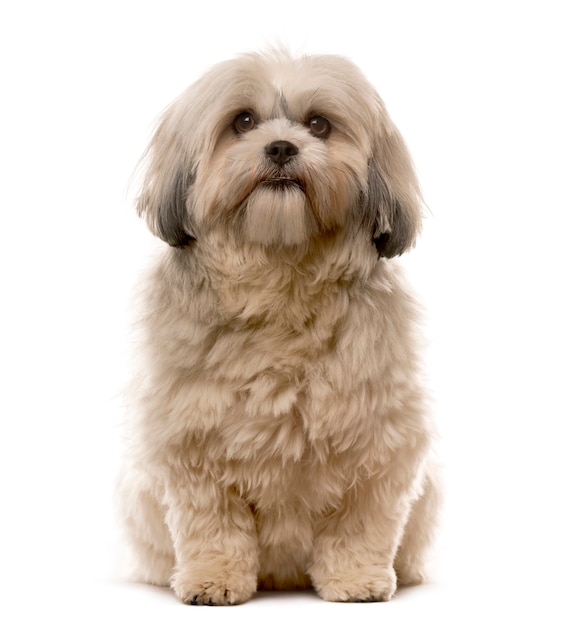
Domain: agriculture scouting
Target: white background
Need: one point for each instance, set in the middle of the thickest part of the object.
(476, 89)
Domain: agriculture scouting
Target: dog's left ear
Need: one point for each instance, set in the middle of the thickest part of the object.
(393, 200)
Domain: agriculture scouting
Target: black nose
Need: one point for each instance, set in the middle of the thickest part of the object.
(281, 151)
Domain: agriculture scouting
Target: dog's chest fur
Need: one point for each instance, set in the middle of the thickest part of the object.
(273, 378)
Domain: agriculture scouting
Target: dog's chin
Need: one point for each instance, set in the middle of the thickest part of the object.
(277, 212)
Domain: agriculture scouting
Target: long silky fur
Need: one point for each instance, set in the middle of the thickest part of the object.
(279, 435)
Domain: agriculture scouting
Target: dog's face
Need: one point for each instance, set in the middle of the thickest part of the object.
(279, 151)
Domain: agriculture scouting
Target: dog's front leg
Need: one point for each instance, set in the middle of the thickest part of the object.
(354, 546)
(214, 539)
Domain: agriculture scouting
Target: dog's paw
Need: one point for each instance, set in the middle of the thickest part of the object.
(409, 574)
(221, 591)
(366, 584)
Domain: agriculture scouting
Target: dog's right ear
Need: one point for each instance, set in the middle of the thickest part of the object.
(163, 200)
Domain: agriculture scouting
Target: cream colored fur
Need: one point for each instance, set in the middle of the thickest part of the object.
(279, 435)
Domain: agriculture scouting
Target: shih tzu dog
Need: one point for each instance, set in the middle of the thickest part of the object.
(279, 436)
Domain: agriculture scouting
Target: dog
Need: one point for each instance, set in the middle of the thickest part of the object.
(279, 434)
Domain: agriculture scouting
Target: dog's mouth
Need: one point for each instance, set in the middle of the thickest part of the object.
(281, 183)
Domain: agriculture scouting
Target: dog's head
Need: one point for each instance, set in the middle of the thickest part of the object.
(280, 150)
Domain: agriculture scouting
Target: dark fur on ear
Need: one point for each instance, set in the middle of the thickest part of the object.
(166, 212)
(168, 175)
(172, 216)
(393, 202)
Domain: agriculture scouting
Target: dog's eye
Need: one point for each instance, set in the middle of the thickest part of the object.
(319, 126)
(244, 122)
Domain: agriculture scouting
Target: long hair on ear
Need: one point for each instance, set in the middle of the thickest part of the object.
(167, 179)
(393, 200)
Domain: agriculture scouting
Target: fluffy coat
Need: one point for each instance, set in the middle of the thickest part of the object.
(279, 436)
